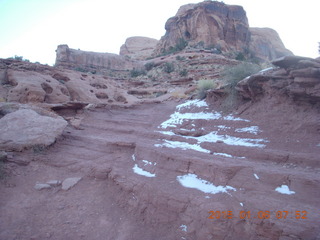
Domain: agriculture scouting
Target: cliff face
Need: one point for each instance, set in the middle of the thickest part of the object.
(91, 61)
(266, 44)
(209, 24)
(138, 48)
(213, 24)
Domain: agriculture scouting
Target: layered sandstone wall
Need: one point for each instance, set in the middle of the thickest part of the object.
(72, 58)
(212, 24)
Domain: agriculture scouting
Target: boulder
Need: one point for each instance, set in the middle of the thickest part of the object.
(70, 182)
(26, 128)
(139, 48)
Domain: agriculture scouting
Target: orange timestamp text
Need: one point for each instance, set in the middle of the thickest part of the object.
(258, 215)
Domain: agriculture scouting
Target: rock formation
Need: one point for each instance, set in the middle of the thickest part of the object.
(25, 82)
(266, 44)
(212, 24)
(92, 61)
(297, 77)
(26, 128)
(139, 48)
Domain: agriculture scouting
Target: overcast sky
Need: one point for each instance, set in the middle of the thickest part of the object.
(34, 28)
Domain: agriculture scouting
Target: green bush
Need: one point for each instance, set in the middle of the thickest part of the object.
(137, 72)
(183, 73)
(149, 66)
(168, 67)
(233, 75)
(203, 86)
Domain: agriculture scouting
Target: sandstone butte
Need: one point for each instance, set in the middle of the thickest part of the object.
(154, 161)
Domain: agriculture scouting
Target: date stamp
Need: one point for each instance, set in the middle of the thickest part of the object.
(258, 215)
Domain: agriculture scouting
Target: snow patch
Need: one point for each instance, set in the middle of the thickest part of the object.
(133, 157)
(223, 154)
(184, 227)
(192, 181)
(241, 204)
(232, 118)
(148, 163)
(265, 70)
(256, 176)
(253, 129)
(284, 189)
(142, 172)
(230, 140)
(178, 118)
(182, 145)
(188, 104)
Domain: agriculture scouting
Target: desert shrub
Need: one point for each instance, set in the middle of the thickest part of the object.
(183, 73)
(168, 67)
(203, 86)
(80, 69)
(180, 45)
(149, 66)
(233, 75)
(179, 58)
(137, 72)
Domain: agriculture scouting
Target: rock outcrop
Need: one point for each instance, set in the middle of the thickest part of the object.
(26, 128)
(93, 61)
(212, 24)
(296, 77)
(139, 48)
(266, 44)
(25, 82)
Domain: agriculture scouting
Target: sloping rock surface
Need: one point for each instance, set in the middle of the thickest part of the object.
(141, 169)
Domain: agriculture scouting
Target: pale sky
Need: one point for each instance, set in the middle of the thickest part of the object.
(34, 28)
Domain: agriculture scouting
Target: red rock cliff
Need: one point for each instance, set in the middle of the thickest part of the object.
(215, 24)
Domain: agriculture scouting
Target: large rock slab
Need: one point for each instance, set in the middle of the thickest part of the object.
(26, 128)
(138, 48)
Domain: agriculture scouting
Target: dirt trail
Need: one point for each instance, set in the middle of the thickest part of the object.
(132, 172)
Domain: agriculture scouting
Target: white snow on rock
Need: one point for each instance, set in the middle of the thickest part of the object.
(182, 145)
(232, 118)
(188, 104)
(256, 176)
(177, 118)
(142, 172)
(229, 140)
(253, 129)
(223, 154)
(184, 227)
(192, 181)
(284, 189)
(148, 163)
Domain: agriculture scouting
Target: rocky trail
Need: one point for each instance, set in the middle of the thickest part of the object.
(155, 171)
